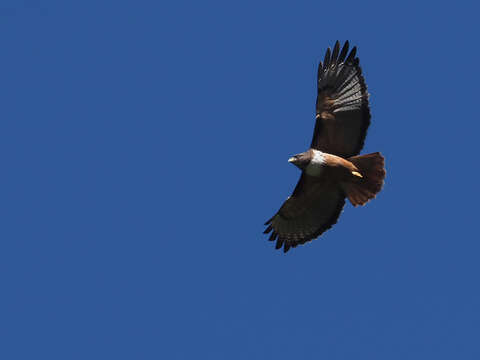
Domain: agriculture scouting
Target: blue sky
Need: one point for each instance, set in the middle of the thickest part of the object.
(144, 144)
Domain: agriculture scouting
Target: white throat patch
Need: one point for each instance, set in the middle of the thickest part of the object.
(315, 167)
(318, 157)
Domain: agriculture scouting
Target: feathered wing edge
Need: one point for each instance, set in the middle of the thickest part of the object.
(288, 242)
(340, 80)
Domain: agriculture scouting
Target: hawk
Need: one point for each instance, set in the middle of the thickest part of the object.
(331, 169)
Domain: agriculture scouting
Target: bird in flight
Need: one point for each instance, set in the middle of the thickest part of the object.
(331, 169)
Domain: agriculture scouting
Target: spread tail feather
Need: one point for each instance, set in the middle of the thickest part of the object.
(371, 167)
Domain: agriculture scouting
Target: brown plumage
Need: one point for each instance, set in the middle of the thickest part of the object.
(363, 189)
(331, 169)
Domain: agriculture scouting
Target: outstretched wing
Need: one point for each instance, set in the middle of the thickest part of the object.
(313, 208)
(343, 113)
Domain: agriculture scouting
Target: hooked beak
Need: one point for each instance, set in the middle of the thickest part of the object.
(292, 159)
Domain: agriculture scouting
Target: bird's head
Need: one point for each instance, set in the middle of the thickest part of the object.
(301, 160)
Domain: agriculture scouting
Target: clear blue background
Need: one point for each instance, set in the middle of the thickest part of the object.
(144, 143)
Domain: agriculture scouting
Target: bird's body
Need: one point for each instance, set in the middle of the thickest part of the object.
(332, 170)
(324, 166)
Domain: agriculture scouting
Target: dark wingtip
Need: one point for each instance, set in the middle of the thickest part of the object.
(286, 247)
(352, 55)
(268, 229)
(269, 221)
(344, 52)
(320, 71)
(273, 236)
(279, 244)
(336, 49)
(326, 60)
